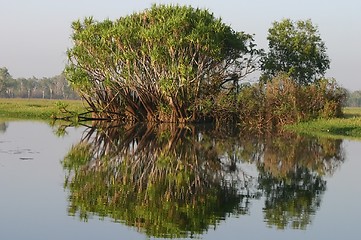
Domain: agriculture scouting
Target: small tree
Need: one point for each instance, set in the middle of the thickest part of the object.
(5, 77)
(157, 65)
(297, 49)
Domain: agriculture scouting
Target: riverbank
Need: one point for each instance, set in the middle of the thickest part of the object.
(43, 109)
(36, 109)
(348, 127)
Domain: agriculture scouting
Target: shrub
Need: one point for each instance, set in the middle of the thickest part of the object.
(282, 101)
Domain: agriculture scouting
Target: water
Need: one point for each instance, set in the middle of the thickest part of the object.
(165, 182)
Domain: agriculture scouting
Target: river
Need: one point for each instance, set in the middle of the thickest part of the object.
(152, 182)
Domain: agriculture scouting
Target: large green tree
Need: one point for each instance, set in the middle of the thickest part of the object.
(158, 64)
(297, 49)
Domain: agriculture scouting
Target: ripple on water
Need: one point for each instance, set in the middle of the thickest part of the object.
(25, 154)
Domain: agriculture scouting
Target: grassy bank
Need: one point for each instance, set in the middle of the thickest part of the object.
(40, 109)
(347, 127)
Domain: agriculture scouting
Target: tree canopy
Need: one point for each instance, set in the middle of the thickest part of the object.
(158, 64)
(297, 49)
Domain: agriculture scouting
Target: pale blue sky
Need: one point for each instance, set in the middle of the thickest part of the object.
(35, 34)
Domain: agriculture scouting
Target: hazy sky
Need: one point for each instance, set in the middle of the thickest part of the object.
(35, 34)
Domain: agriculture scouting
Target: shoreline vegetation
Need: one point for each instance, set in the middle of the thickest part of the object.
(348, 126)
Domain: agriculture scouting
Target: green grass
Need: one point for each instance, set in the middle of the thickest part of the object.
(35, 109)
(348, 127)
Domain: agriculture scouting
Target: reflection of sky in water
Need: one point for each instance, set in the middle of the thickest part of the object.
(23, 154)
(339, 214)
(33, 203)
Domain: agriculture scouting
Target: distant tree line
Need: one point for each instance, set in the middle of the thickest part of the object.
(56, 87)
(354, 99)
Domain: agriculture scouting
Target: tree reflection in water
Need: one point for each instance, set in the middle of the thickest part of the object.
(177, 181)
(291, 178)
(3, 127)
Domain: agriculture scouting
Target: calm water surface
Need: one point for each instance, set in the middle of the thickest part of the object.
(144, 182)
